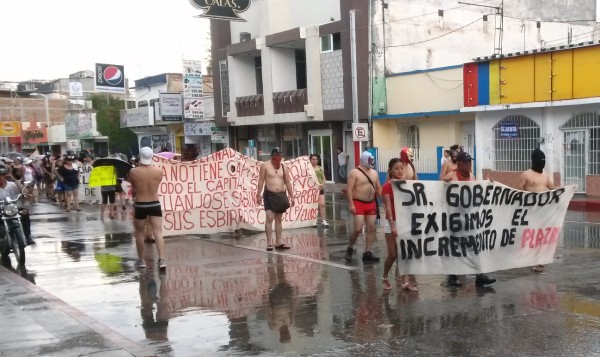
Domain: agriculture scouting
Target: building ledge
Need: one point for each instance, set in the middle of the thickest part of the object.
(548, 104)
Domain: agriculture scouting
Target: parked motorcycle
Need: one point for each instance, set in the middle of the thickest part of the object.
(12, 238)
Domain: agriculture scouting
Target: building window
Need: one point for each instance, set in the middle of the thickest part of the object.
(258, 74)
(331, 42)
(300, 69)
(515, 137)
(224, 76)
(409, 136)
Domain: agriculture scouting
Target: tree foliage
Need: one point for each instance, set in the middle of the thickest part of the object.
(120, 140)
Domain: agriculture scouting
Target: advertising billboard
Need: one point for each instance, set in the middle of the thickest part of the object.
(110, 78)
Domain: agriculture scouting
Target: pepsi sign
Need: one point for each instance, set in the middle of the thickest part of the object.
(222, 9)
(110, 78)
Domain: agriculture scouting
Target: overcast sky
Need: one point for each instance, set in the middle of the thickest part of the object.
(44, 39)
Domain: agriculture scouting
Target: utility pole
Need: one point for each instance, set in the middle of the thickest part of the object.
(354, 82)
(499, 24)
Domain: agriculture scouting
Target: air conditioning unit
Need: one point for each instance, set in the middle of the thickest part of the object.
(245, 36)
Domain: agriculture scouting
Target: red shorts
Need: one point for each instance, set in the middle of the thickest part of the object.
(364, 208)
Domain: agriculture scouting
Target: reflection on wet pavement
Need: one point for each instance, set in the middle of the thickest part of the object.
(225, 295)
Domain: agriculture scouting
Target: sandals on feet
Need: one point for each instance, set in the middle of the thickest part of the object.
(269, 247)
(538, 269)
(409, 287)
(386, 284)
(282, 246)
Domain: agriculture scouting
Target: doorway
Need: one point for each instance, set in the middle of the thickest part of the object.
(319, 142)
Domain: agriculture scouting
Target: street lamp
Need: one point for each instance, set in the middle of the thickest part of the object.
(47, 115)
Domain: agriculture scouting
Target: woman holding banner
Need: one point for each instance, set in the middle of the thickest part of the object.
(314, 160)
(398, 169)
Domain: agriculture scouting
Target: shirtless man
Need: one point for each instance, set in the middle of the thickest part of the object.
(450, 164)
(464, 172)
(361, 194)
(274, 178)
(144, 183)
(535, 180)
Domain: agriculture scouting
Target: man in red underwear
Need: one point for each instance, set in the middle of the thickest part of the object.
(362, 191)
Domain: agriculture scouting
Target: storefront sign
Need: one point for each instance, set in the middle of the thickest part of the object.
(193, 108)
(10, 129)
(222, 9)
(131, 118)
(171, 107)
(198, 129)
(35, 136)
(219, 135)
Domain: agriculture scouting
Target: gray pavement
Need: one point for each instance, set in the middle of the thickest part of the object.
(224, 295)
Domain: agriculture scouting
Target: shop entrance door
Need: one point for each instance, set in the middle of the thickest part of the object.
(319, 142)
(574, 149)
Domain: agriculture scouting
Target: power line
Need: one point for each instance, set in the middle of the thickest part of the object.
(435, 38)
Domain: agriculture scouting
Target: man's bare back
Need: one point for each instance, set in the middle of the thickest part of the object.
(145, 180)
(361, 187)
(532, 181)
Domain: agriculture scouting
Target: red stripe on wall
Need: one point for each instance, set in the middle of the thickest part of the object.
(470, 84)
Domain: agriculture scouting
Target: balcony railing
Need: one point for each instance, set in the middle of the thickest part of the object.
(292, 101)
(250, 105)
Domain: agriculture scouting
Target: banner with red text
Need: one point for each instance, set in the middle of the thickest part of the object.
(475, 227)
(217, 193)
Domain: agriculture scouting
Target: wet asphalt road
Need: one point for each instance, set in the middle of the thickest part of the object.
(225, 295)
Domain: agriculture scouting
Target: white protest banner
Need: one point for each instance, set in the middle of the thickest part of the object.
(475, 227)
(217, 193)
(87, 193)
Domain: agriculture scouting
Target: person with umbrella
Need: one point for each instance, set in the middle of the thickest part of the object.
(109, 191)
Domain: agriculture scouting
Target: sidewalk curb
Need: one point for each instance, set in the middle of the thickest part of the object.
(106, 332)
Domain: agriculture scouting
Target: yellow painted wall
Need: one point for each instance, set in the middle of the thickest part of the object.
(425, 92)
(494, 81)
(543, 71)
(562, 75)
(433, 131)
(517, 80)
(586, 72)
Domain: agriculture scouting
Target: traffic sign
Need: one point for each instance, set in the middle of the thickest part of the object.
(360, 131)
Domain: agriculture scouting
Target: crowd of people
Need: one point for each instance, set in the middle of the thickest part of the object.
(362, 190)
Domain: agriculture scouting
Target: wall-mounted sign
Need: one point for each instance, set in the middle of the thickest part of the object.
(171, 106)
(360, 131)
(10, 128)
(75, 89)
(222, 9)
(110, 78)
(509, 130)
(219, 135)
(198, 129)
(132, 118)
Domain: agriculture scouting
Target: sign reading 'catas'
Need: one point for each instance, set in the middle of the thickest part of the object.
(475, 227)
(222, 9)
(217, 193)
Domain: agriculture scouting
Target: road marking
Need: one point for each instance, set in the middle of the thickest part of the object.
(324, 262)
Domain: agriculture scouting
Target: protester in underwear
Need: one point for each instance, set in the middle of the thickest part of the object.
(314, 161)
(535, 180)
(398, 169)
(362, 191)
(463, 172)
(145, 180)
(274, 178)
